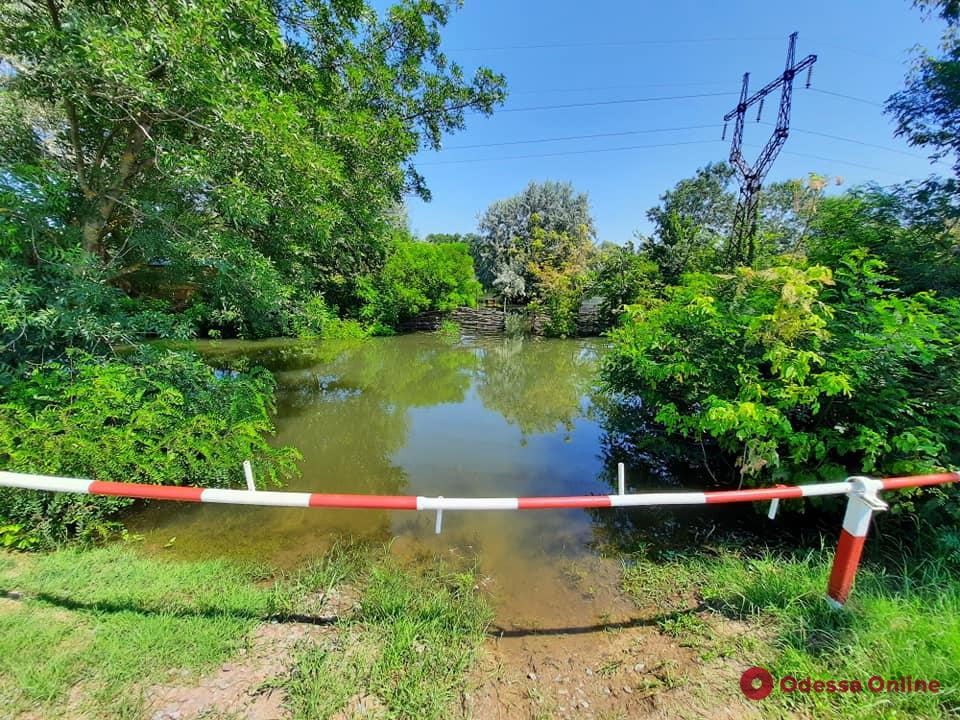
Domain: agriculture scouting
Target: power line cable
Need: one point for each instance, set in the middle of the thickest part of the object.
(618, 87)
(856, 142)
(829, 159)
(616, 102)
(583, 137)
(623, 133)
(847, 97)
(675, 41)
(611, 43)
(570, 152)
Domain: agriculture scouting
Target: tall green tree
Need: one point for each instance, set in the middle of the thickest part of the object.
(546, 220)
(927, 110)
(691, 223)
(256, 148)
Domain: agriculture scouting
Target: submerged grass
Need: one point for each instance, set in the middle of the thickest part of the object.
(96, 627)
(903, 619)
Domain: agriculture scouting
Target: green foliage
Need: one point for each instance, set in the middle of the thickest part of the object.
(557, 264)
(691, 223)
(17, 537)
(516, 325)
(316, 319)
(163, 418)
(546, 225)
(417, 277)
(911, 227)
(449, 330)
(439, 238)
(257, 150)
(620, 276)
(798, 372)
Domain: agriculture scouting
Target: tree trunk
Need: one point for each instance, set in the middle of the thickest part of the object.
(94, 225)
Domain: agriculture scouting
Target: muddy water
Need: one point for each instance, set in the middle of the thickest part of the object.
(421, 415)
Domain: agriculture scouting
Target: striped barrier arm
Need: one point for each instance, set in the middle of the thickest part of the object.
(863, 494)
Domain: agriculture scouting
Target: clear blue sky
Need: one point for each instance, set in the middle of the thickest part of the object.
(604, 51)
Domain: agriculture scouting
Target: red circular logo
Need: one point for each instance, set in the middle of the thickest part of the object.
(756, 683)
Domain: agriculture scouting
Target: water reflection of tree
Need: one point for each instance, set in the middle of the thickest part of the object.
(536, 385)
(349, 414)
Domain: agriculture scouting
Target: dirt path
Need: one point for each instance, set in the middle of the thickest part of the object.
(569, 644)
(601, 657)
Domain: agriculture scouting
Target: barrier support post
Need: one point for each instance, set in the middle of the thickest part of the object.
(248, 474)
(774, 506)
(621, 479)
(863, 501)
(439, 525)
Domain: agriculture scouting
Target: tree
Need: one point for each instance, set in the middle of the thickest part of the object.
(620, 276)
(927, 110)
(692, 223)
(417, 277)
(256, 148)
(911, 227)
(786, 211)
(439, 238)
(551, 215)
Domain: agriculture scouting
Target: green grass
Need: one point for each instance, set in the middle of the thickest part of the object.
(405, 652)
(97, 626)
(108, 618)
(903, 618)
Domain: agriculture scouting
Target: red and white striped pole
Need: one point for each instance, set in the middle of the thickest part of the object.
(864, 500)
(862, 503)
(862, 492)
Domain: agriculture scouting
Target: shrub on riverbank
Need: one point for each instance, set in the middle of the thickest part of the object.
(159, 418)
(797, 373)
(418, 277)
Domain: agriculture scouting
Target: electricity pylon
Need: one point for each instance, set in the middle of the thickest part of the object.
(752, 176)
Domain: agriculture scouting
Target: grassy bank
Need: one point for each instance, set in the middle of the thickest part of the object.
(92, 632)
(903, 619)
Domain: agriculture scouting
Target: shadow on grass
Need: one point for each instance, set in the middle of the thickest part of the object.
(654, 621)
(105, 607)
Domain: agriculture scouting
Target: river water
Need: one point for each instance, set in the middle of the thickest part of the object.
(421, 414)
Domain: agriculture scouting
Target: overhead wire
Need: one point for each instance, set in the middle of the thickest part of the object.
(613, 43)
(618, 87)
(570, 152)
(847, 97)
(533, 141)
(627, 101)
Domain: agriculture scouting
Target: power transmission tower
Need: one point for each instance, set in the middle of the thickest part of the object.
(752, 176)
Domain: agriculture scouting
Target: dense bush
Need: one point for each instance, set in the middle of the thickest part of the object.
(316, 319)
(797, 372)
(160, 418)
(417, 277)
(619, 275)
(911, 227)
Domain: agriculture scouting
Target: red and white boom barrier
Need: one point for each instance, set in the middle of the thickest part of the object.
(863, 494)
